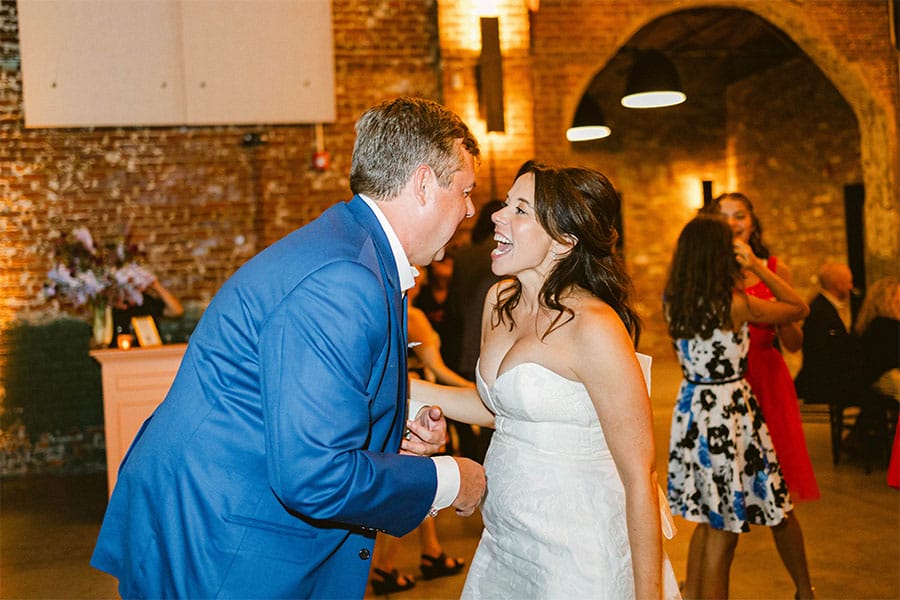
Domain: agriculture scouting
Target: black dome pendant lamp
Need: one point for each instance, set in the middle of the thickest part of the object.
(652, 82)
(588, 123)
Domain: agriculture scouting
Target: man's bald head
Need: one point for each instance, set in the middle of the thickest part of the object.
(836, 279)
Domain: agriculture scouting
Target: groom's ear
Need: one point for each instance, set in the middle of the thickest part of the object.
(422, 178)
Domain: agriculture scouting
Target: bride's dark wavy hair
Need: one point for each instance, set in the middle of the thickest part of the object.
(702, 277)
(579, 203)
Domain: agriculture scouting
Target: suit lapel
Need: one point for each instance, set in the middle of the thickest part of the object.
(398, 326)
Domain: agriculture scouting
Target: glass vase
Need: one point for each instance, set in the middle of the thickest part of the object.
(102, 325)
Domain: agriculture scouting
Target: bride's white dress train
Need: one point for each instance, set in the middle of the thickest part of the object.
(554, 514)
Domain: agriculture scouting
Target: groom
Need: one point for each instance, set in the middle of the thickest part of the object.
(273, 460)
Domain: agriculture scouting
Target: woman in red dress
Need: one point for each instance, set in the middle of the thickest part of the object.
(771, 381)
(766, 370)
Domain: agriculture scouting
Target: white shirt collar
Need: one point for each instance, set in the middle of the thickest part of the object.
(842, 307)
(838, 304)
(405, 271)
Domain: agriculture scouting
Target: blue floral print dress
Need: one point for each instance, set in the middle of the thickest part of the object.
(722, 466)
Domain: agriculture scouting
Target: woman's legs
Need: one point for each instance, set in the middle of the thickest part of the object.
(789, 542)
(694, 576)
(718, 553)
(710, 554)
(428, 539)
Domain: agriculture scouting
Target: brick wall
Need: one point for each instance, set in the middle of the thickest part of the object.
(796, 180)
(203, 202)
(460, 39)
(658, 167)
(198, 199)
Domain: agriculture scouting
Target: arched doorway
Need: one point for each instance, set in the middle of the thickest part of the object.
(761, 118)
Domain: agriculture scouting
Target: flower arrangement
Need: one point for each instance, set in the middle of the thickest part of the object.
(84, 273)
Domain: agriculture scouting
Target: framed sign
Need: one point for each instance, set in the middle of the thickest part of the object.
(146, 331)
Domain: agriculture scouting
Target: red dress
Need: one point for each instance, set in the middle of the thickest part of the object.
(773, 387)
(893, 474)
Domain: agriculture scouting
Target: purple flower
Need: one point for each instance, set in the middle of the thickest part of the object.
(84, 273)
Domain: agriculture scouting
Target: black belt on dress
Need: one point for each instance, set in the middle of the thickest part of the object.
(715, 381)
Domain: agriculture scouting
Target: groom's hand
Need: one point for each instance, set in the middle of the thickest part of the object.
(426, 434)
(472, 485)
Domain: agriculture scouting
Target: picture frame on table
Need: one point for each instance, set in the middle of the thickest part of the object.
(146, 331)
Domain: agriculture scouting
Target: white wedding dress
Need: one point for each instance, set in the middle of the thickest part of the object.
(554, 514)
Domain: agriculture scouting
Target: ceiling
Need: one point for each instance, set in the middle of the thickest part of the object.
(711, 48)
(724, 45)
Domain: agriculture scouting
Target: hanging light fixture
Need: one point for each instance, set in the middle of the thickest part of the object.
(652, 82)
(588, 123)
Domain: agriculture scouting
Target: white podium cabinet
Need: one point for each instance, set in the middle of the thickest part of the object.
(135, 381)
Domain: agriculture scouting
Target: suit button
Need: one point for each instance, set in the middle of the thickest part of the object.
(364, 554)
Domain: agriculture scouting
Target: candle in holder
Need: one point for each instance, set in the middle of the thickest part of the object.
(124, 341)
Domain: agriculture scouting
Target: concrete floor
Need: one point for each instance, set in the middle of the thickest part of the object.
(48, 526)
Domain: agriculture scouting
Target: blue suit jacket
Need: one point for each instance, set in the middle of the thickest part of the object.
(272, 460)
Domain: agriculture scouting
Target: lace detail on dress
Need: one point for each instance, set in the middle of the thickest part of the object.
(554, 513)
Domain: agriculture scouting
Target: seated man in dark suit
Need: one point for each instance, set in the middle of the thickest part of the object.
(830, 352)
(832, 363)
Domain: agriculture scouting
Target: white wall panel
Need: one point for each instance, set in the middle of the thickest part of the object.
(175, 62)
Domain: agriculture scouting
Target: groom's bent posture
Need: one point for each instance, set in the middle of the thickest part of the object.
(274, 458)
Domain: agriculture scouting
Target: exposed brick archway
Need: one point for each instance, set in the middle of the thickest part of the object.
(864, 74)
(868, 93)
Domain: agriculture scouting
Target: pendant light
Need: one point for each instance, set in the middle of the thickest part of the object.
(652, 82)
(588, 123)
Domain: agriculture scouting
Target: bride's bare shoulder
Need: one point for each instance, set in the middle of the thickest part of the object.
(596, 319)
(590, 308)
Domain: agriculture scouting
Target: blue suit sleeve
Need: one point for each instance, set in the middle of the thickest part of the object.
(318, 352)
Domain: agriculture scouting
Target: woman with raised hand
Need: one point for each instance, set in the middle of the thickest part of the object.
(723, 471)
(767, 372)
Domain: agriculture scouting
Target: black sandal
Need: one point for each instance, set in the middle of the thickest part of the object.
(436, 566)
(390, 582)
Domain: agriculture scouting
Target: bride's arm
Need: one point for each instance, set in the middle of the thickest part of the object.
(459, 404)
(605, 362)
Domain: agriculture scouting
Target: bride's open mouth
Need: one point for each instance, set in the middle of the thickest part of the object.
(504, 245)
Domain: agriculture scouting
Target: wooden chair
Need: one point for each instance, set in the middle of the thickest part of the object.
(871, 418)
(842, 417)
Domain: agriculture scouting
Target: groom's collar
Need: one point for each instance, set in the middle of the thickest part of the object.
(405, 271)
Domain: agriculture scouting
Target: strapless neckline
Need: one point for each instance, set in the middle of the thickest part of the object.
(518, 366)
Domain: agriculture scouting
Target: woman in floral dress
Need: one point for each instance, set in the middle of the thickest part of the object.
(723, 473)
(767, 372)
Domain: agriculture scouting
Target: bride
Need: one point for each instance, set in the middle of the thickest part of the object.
(572, 507)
